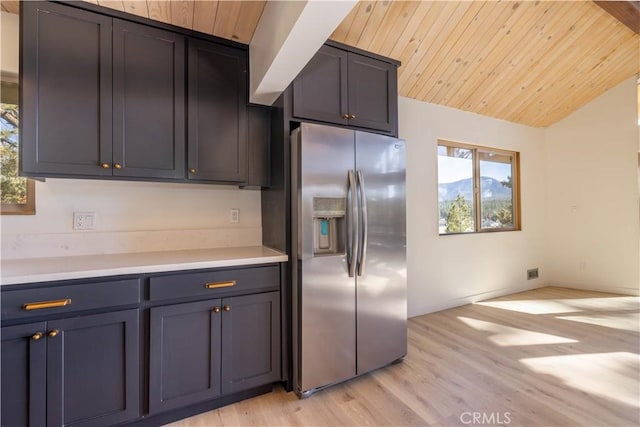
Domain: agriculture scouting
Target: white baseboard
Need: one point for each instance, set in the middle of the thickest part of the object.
(622, 290)
(469, 299)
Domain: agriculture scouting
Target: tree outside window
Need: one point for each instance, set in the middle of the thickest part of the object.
(477, 189)
(17, 193)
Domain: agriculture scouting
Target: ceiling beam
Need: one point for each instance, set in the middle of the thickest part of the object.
(627, 12)
(288, 35)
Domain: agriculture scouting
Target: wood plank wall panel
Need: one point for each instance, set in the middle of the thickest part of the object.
(182, 14)
(10, 6)
(248, 18)
(204, 16)
(112, 4)
(138, 8)
(228, 14)
(229, 19)
(159, 11)
(523, 61)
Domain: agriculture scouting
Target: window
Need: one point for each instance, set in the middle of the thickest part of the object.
(18, 194)
(478, 189)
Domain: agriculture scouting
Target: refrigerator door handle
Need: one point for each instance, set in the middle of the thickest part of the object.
(362, 255)
(352, 226)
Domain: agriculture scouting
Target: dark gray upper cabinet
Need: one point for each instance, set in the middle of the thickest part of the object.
(373, 93)
(106, 97)
(348, 88)
(320, 90)
(259, 146)
(217, 111)
(101, 97)
(148, 102)
(66, 110)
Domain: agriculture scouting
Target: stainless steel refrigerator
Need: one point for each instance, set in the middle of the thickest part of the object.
(348, 254)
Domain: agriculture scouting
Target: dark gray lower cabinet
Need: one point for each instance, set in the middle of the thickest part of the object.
(184, 354)
(24, 375)
(203, 349)
(250, 341)
(93, 369)
(81, 371)
(76, 353)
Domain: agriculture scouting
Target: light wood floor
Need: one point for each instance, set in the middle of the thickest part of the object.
(548, 357)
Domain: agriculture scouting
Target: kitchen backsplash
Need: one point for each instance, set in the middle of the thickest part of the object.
(131, 217)
(99, 243)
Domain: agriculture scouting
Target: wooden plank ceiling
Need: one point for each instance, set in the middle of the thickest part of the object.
(528, 62)
(232, 20)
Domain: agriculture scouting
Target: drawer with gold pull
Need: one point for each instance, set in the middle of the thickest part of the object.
(20, 303)
(213, 283)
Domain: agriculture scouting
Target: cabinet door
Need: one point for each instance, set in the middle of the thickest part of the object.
(184, 354)
(250, 341)
(23, 375)
(148, 102)
(259, 146)
(320, 90)
(93, 369)
(66, 117)
(373, 93)
(217, 111)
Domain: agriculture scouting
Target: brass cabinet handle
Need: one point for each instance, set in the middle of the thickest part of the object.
(53, 333)
(215, 285)
(216, 309)
(226, 308)
(117, 166)
(345, 116)
(105, 165)
(352, 116)
(192, 170)
(36, 336)
(46, 304)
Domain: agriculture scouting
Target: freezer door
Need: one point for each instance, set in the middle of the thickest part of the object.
(325, 317)
(381, 283)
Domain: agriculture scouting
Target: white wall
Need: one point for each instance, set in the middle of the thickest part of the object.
(591, 161)
(446, 271)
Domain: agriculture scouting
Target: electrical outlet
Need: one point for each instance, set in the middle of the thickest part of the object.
(84, 220)
(532, 274)
(234, 216)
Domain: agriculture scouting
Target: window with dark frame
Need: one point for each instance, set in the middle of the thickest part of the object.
(17, 193)
(478, 189)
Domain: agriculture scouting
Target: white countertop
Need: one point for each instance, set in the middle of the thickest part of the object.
(17, 271)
